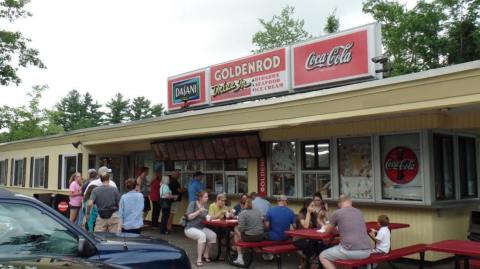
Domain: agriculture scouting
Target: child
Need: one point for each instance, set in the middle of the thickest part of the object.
(382, 237)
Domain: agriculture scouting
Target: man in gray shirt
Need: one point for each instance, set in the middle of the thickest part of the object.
(354, 240)
(106, 198)
(260, 204)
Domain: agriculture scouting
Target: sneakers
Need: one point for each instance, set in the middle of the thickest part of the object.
(239, 261)
(267, 256)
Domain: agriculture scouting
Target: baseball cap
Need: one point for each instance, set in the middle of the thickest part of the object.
(103, 170)
(91, 170)
(282, 197)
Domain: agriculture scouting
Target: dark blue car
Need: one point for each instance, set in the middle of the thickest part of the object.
(29, 227)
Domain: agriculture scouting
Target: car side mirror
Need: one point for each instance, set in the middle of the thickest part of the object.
(85, 248)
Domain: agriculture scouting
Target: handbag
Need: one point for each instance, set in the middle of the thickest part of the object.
(165, 203)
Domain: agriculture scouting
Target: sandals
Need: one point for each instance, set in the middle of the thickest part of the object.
(207, 260)
(199, 264)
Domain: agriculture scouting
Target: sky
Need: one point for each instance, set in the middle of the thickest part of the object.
(132, 47)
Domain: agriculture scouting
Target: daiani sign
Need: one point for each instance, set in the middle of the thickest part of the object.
(340, 58)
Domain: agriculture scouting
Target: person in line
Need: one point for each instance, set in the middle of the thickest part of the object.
(249, 229)
(142, 188)
(166, 199)
(155, 197)
(92, 216)
(106, 198)
(75, 193)
(196, 230)
(195, 186)
(98, 181)
(130, 209)
(279, 219)
(217, 209)
(177, 190)
(354, 242)
(382, 236)
(92, 175)
(260, 204)
(241, 204)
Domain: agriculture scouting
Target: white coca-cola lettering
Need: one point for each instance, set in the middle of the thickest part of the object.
(337, 56)
(405, 164)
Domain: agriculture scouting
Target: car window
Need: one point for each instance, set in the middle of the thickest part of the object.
(26, 230)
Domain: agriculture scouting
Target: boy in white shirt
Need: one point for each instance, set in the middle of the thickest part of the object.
(382, 236)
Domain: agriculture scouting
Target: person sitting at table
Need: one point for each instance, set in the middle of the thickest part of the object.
(196, 230)
(354, 242)
(249, 229)
(259, 203)
(279, 219)
(218, 209)
(382, 236)
(306, 219)
(319, 203)
(241, 204)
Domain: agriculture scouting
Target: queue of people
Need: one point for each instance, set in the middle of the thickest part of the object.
(97, 206)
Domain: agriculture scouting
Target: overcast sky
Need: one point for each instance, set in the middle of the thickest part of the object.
(109, 46)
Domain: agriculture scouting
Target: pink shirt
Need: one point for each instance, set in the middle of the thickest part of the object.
(75, 200)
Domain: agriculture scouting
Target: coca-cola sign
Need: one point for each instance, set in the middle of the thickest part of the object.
(336, 58)
(401, 165)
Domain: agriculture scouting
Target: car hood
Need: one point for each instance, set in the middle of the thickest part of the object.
(53, 262)
(134, 241)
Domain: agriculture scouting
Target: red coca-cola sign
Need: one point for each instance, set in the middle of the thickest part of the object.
(401, 165)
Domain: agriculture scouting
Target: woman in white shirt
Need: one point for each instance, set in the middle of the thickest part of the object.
(166, 199)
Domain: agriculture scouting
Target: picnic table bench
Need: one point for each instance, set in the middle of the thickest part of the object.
(462, 249)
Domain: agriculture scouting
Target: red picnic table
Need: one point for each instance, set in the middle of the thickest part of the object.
(462, 249)
(223, 224)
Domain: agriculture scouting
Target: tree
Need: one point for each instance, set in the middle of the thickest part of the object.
(333, 23)
(14, 50)
(27, 122)
(119, 109)
(76, 112)
(157, 110)
(140, 109)
(430, 35)
(280, 31)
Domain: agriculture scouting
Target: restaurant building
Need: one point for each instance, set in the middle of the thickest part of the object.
(314, 116)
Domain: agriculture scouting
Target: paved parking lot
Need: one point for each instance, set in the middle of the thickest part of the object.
(289, 261)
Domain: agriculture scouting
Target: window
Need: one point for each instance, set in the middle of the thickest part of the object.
(69, 167)
(355, 167)
(468, 167)
(316, 182)
(282, 168)
(3, 172)
(401, 172)
(443, 167)
(236, 177)
(18, 172)
(25, 230)
(38, 172)
(316, 155)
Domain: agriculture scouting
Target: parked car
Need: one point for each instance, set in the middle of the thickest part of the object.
(29, 262)
(30, 227)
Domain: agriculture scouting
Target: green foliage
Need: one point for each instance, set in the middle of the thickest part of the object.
(140, 109)
(333, 23)
(119, 109)
(430, 35)
(14, 50)
(280, 31)
(76, 112)
(157, 110)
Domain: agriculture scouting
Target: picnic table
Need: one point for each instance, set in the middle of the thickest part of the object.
(223, 224)
(462, 249)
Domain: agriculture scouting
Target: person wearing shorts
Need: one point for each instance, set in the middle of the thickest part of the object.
(354, 240)
(107, 199)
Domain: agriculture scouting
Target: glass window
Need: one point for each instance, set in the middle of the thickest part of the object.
(282, 163)
(355, 167)
(402, 177)
(236, 165)
(236, 183)
(69, 167)
(214, 182)
(18, 175)
(25, 230)
(316, 182)
(3, 173)
(443, 167)
(316, 155)
(214, 165)
(38, 172)
(468, 167)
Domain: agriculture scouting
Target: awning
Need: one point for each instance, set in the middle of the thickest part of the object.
(210, 148)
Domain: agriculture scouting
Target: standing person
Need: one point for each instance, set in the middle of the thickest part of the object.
(259, 203)
(106, 198)
(98, 181)
(354, 242)
(196, 230)
(249, 229)
(195, 186)
(92, 175)
(176, 189)
(166, 199)
(130, 209)
(155, 197)
(142, 188)
(92, 216)
(75, 188)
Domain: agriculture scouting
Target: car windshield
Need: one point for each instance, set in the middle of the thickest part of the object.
(25, 230)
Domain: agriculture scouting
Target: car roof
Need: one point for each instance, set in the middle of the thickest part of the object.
(4, 193)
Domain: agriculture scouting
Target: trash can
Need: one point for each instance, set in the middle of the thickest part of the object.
(45, 198)
(60, 203)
